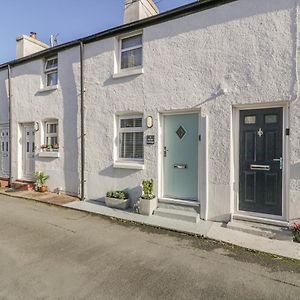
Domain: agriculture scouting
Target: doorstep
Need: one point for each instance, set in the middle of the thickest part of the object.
(207, 229)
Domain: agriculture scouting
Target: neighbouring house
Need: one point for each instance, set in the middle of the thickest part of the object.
(204, 99)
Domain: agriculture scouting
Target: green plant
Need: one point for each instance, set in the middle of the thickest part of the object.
(41, 178)
(148, 189)
(117, 195)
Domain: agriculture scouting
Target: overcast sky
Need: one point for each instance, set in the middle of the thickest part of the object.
(71, 19)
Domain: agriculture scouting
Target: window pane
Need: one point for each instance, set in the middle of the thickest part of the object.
(51, 128)
(132, 41)
(131, 145)
(250, 119)
(129, 123)
(139, 145)
(271, 119)
(131, 58)
(52, 79)
(51, 63)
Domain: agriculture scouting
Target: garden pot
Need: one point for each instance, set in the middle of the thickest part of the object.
(43, 189)
(147, 206)
(296, 237)
(116, 203)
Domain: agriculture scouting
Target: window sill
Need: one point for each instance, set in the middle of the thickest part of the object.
(129, 165)
(125, 73)
(53, 154)
(48, 88)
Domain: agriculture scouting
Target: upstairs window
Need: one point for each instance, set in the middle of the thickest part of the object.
(131, 52)
(131, 138)
(51, 71)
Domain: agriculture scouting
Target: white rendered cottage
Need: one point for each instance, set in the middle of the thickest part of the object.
(204, 99)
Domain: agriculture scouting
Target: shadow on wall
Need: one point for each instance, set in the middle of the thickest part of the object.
(117, 173)
(3, 102)
(295, 171)
(70, 121)
(134, 194)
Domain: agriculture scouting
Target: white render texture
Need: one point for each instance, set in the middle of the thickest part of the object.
(27, 45)
(247, 48)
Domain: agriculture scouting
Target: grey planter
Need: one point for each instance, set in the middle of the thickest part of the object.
(117, 203)
(147, 207)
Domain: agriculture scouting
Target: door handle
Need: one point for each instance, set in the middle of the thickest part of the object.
(280, 160)
(182, 166)
(165, 151)
(260, 167)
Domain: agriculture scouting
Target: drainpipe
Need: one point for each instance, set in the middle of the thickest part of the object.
(9, 125)
(82, 127)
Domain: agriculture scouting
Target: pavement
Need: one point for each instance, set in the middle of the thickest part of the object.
(47, 252)
(212, 230)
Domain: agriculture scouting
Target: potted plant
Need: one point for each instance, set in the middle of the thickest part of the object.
(148, 201)
(49, 147)
(41, 179)
(296, 231)
(43, 147)
(56, 147)
(117, 199)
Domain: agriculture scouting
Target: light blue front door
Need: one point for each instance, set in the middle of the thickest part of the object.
(181, 139)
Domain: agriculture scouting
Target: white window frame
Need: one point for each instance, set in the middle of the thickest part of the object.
(123, 37)
(49, 135)
(129, 129)
(50, 71)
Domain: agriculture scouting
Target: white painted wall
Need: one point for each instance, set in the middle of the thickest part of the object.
(246, 47)
(30, 104)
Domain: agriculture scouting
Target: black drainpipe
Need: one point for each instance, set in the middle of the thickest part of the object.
(82, 127)
(9, 125)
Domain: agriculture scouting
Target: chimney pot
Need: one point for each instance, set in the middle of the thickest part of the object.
(33, 35)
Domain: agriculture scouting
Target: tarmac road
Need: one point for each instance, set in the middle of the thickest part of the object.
(49, 252)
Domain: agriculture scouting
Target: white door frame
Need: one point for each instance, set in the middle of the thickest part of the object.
(236, 162)
(23, 147)
(3, 175)
(202, 158)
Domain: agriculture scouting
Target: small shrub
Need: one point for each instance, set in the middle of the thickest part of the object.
(41, 178)
(148, 189)
(117, 195)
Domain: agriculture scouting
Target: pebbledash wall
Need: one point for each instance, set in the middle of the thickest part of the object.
(247, 48)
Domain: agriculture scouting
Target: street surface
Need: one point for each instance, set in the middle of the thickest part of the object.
(49, 252)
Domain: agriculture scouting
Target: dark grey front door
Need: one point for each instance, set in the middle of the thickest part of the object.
(261, 161)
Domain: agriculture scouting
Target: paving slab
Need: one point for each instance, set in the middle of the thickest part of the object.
(50, 198)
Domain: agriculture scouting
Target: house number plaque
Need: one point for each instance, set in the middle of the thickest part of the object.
(150, 139)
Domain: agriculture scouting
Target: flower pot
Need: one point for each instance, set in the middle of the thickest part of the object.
(43, 189)
(296, 237)
(117, 203)
(147, 206)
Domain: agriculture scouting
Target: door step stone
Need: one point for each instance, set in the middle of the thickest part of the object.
(177, 213)
(23, 186)
(264, 230)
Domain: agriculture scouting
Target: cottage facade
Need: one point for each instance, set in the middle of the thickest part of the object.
(203, 99)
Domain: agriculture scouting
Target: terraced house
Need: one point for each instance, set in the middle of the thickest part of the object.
(204, 99)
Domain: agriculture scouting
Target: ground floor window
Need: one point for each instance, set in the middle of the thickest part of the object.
(131, 138)
(51, 136)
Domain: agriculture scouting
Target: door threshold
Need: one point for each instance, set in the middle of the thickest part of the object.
(192, 203)
(262, 220)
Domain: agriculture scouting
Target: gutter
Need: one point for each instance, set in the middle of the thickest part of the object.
(10, 125)
(82, 121)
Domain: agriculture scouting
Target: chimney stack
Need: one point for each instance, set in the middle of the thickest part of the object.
(139, 9)
(27, 45)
